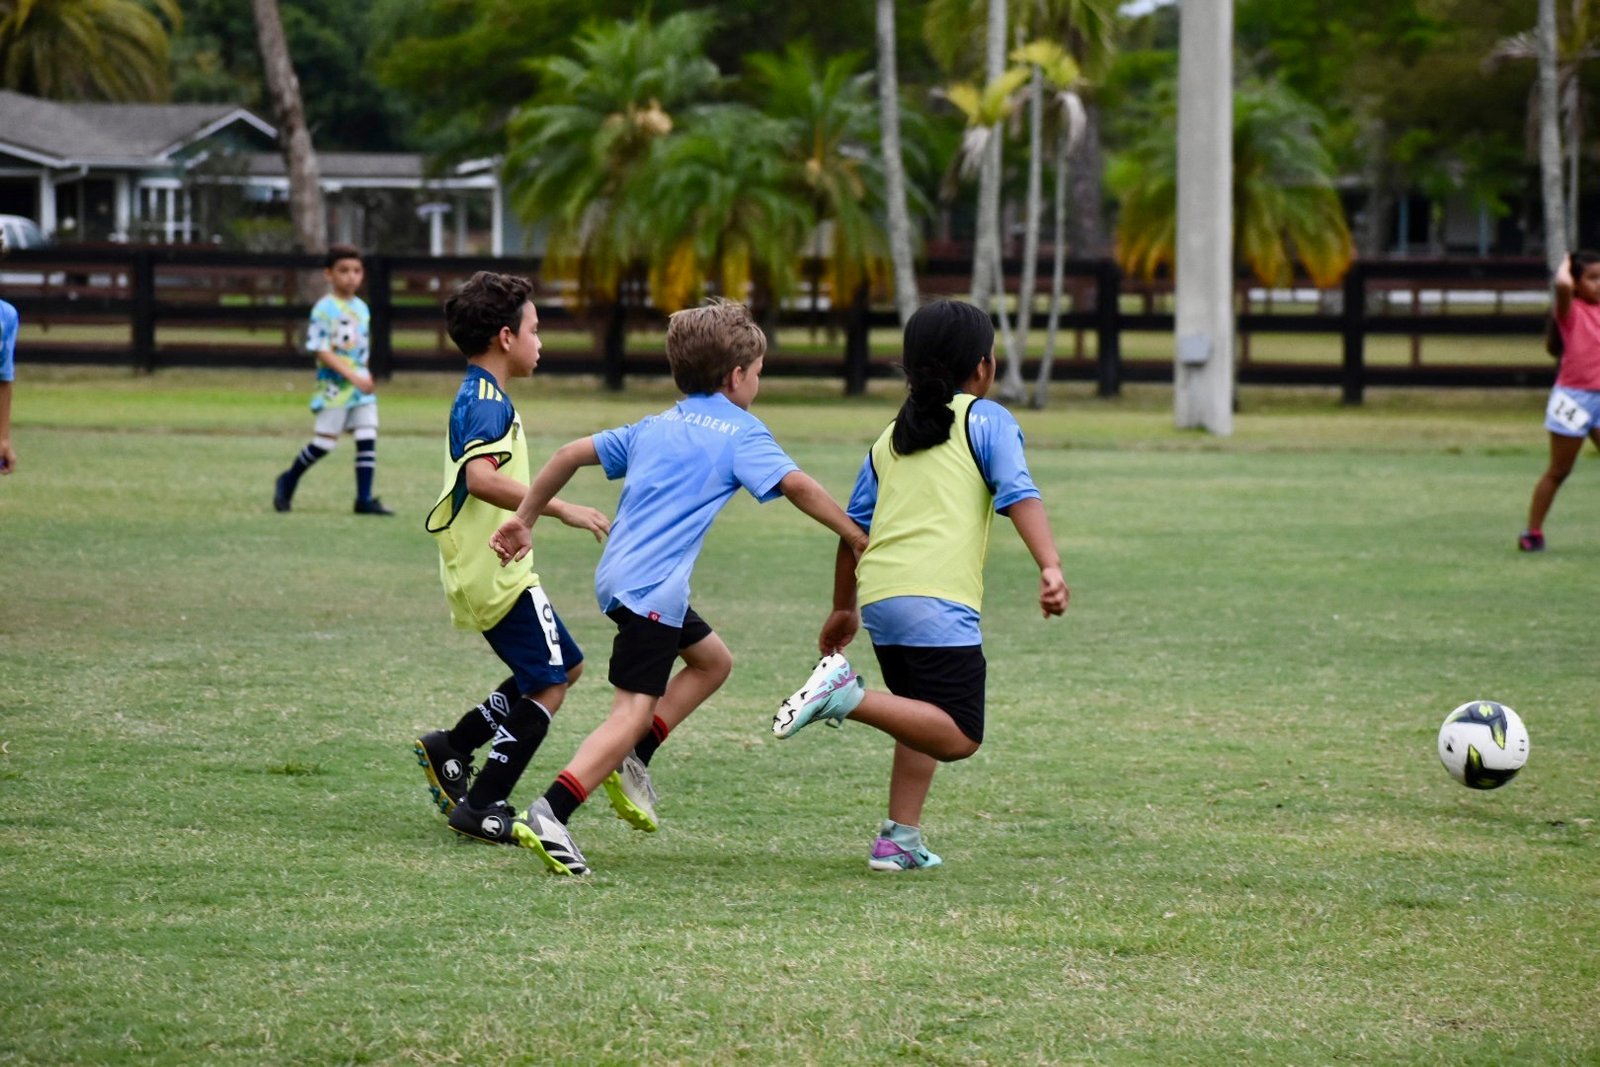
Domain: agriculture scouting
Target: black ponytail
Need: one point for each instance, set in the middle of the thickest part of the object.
(944, 343)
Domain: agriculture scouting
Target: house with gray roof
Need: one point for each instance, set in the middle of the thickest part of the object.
(96, 172)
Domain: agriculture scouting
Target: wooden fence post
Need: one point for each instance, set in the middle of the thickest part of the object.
(1108, 327)
(1355, 314)
(380, 301)
(144, 310)
(857, 345)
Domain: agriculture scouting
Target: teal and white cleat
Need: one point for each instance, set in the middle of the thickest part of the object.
(833, 691)
(633, 795)
(900, 848)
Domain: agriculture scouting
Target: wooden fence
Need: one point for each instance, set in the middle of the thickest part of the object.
(155, 307)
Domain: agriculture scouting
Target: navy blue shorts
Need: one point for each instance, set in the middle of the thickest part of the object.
(533, 641)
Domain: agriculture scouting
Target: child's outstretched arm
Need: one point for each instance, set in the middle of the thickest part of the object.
(804, 493)
(514, 538)
(842, 623)
(485, 482)
(1563, 288)
(1033, 526)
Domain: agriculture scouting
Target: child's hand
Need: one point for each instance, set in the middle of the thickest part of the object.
(1053, 591)
(838, 630)
(512, 541)
(363, 382)
(594, 520)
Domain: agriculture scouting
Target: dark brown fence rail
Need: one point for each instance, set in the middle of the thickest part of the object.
(154, 307)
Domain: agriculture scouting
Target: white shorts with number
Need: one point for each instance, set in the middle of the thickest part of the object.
(1572, 412)
(331, 422)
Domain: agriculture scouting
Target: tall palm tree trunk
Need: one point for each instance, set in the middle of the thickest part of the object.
(986, 251)
(1058, 266)
(1555, 210)
(305, 187)
(1013, 388)
(894, 173)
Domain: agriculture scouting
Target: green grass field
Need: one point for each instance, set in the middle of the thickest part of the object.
(1208, 824)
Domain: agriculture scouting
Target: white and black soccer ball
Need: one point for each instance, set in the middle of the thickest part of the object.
(1483, 744)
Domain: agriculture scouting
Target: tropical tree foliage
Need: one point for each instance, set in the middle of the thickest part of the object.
(1285, 206)
(114, 50)
(582, 155)
(829, 113)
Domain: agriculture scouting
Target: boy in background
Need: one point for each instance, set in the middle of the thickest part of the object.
(344, 398)
(495, 325)
(680, 467)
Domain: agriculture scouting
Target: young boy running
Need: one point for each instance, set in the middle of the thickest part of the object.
(344, 398)
(494, 323)
(680, 467)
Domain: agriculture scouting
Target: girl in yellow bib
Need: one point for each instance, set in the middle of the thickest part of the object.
(926, 494)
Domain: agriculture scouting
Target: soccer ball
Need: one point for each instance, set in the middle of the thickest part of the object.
(1483, 744)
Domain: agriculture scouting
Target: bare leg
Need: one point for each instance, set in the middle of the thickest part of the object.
(1563, 453)
(706, 665)
(909, 782)
(613, 739)
(916, 724)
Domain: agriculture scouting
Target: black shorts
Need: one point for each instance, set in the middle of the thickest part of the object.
(643, 650)
(950, 679)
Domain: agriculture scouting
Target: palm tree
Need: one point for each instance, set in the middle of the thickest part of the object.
(1055, 74)
(1557, 96)
(1285, 206)
(581, 153)
(894, 174)
(727, 210)
(306, 207)
(114, 50)
(829, 113)
(580, 156)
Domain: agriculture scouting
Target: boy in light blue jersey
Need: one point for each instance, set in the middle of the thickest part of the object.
(344, 398)
(679, 468)
(928, 491)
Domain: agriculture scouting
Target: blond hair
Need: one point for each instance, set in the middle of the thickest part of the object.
(706, 343)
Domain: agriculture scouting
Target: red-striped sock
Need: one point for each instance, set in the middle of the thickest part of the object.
(565, 794)
(646, 748)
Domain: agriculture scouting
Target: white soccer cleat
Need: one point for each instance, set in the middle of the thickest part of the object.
(832, 692)
(633, 795)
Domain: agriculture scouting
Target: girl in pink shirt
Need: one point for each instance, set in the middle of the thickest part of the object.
(1574, 409)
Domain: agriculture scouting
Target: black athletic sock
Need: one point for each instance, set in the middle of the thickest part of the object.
(515, 742)
(302, 462)
(565, 794)
(646, 748)
(366, 467)
(477, 725)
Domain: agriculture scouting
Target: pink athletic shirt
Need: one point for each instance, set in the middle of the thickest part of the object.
(1580, 334)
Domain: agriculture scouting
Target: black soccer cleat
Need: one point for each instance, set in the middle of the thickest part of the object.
(449, 772)
(373, 506)
(282, 492)
(495, 824)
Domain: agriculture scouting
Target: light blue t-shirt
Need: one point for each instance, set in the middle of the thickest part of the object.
(8, 342)
(680, 468)
(930, 622)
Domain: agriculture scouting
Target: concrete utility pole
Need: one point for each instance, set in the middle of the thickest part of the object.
(1203, 384)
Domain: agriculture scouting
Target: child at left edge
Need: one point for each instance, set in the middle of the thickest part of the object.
(344, 398)
(494, 323)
